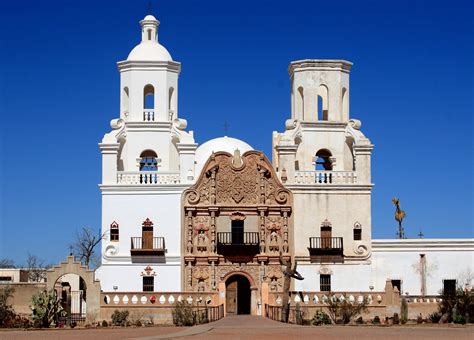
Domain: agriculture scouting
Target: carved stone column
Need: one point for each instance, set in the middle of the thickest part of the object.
(262, 232)
(285, 232)
(213, 231)
(213, 276)
(213, 186)
(189, 276)
(189, 241)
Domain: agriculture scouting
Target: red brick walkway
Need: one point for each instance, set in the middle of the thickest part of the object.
(248, 327)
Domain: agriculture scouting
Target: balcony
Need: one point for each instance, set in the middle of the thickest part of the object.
(238, 246)
(146, 247)
(147, 178)
(326, 249)
(325, 177)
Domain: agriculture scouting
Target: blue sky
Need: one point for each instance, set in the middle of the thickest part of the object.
(412, 85)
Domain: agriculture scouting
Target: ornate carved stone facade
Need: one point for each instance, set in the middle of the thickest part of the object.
(235, 188)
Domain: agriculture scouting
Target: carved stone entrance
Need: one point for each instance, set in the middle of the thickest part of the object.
(238, 295)
(236, 218)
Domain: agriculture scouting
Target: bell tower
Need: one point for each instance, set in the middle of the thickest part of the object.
(149, 79)
(324, 159)
(320, 90)
(147, 162)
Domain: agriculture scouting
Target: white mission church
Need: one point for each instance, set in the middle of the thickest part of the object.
(216, 217)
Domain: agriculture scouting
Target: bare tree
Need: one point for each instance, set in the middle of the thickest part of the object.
(85, 244)
(289, 272)
(36, 268)
(342, 309)
(7, 263)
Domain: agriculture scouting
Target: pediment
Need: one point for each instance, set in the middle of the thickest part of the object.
(234, 180)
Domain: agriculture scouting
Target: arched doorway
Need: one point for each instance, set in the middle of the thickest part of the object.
(238, 295)
(72, 292)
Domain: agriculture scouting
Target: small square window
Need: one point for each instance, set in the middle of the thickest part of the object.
(148, 283)
(357, 234)
(449, 287)
(114, 232)
(325, 283)
(398, 284)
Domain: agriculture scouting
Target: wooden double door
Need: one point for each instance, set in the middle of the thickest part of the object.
(237, 295)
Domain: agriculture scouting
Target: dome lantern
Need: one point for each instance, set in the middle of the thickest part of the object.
(149, 48)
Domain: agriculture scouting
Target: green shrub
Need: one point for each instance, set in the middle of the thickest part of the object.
(119, 318)
(459, 302)
(105, 323)
(396, 319)
(376, 320)
(46, 308)
(183, 314)
(435, 317)
(458, 318)
(341, 310)
(320, 318)
(7, 314)
(359, 320)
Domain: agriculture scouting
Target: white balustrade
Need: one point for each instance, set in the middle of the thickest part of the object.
(148, 115)
(147, 177)
(325, 177)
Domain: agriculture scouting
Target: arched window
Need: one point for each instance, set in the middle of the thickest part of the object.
(326, 234)
(147, 234)
(148, 161)
(323, 102)
(149, 103)
(300, 103)
(114, 231)
(171, 103)
(345, 104)
(357, 232)
(125, 101)
(323, 160)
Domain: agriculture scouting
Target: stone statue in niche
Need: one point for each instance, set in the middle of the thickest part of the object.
(201, 240)
(274, 226)
(273, 245)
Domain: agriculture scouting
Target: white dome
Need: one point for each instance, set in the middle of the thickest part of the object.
(149, 51)
(228, 144)
(150, 17)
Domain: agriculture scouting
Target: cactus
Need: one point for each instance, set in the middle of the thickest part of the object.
(46, 308)
(404, 311)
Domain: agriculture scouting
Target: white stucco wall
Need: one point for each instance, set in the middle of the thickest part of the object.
(398, 260)
(127, 277)
(129, 208)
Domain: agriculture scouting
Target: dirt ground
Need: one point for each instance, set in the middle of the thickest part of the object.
(251, 327)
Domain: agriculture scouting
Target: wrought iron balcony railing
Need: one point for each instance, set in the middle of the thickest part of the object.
(325, 243)
(147, 246)
(238, 246)
(238, 238)
(326, 249)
